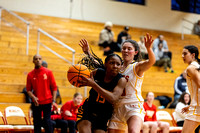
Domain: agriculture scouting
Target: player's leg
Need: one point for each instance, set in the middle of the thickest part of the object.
(84, 126)
(135, 124)
(189, 126)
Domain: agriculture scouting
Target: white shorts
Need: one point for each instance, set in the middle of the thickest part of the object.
(123, 112)
(193, 113)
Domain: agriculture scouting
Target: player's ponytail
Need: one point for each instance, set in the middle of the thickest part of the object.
(92, 61)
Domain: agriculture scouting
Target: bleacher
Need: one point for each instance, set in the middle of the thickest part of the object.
(15, 64)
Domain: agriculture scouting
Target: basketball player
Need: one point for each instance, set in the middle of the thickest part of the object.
(190, 56)
(131, 102)
(94, 114)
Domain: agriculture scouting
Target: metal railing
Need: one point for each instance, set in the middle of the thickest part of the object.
(21, 19)
(56, 40)
(184, 26)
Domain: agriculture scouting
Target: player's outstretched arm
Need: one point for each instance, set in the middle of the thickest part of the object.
(145, 65)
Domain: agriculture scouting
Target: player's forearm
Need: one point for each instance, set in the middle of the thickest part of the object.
(151, 55)
(109, 96)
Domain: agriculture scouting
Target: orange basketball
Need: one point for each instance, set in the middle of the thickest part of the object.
(74, 73)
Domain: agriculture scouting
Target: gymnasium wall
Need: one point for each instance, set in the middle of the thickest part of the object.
(157, 14)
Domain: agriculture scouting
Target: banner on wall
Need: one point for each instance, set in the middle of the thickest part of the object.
(192, 6)
(140, 2)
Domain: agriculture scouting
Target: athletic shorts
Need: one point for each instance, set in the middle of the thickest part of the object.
(97, 121)
(123, 112)
(193, 113)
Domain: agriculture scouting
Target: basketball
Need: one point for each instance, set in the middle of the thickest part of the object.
(74, 73)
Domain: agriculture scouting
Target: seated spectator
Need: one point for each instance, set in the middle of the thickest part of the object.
(162, 58)
(123, 35)
(180, 86)
(151, 124)
(106, 39)
(183, 101)
(143, 49)
(57, 121)
(69, 111)
(157, 41)
(197, 28)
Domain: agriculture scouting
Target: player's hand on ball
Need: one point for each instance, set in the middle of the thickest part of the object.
(86, 81)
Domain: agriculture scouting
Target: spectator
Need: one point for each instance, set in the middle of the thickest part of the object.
(180, 86)
(69, 111)
(58, 97)
(151, 124)
(106, 39)
(162, 58)
(143, 49)
(197, 28)
(123, 35)
(57, 121)
(157, 41)
(183, 101)
(41, 87)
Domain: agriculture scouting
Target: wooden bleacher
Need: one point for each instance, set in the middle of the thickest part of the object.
(15, 64)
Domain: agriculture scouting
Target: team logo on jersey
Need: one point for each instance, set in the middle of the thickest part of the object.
(45, 76)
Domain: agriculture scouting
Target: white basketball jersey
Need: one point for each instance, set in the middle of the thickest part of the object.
(193, 89)
(132, 91)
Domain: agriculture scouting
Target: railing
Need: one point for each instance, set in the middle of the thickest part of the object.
(184, 25)
(58, 41)
(21, 19)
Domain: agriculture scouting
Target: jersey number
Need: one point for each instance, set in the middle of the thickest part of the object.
(100, 99)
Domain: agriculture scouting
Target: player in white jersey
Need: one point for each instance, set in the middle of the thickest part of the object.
(128, 110)
(190, 56)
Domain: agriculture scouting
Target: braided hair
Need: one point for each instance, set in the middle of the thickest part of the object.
(92, 61)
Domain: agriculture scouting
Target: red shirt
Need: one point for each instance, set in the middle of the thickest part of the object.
(70, 107)
(150, 112)
(41, 81)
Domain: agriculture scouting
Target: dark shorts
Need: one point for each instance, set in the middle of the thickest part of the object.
(97, 121)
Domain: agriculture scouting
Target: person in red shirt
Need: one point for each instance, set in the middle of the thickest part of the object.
(69, 111)
(151, 124)
(41, 87)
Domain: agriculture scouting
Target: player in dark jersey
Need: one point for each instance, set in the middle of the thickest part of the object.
(94, 114)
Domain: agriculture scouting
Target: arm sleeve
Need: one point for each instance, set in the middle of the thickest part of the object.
(176, 86)
(64, 108)
(119, 38)
(104, 37)
(155, 44)
(165, 46)
(156, 54)
(28, 83)
(52, 82)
